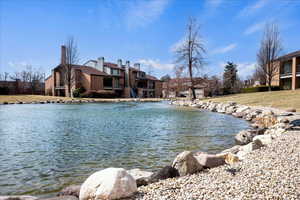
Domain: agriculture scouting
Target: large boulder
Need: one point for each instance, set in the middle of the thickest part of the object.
(110, 183)
(164, 173)
(262, 140)
(291, 110)
(141, 177)
(20, 197)
(232, 150)
(186, 163)
(231, 158)
(238, 114)
(72, 190)
(68, 197)
(244, 137)
(241, 108)
(245, 149)
(209, 160)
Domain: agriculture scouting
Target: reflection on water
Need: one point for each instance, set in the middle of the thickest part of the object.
(46, 147)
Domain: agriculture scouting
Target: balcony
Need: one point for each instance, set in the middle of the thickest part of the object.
(286, 75)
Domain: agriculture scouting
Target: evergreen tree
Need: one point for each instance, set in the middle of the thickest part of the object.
(230, 78)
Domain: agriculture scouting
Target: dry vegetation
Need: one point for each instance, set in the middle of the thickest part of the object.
(28, 98)
(277, 99)
(37, 98)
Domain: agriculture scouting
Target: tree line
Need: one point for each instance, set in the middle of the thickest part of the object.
(29, 77)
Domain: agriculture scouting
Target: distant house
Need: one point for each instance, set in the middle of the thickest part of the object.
(181, 87)
(288, 71)
(104, 79)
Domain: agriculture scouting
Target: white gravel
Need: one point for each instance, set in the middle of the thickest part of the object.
(272, 172)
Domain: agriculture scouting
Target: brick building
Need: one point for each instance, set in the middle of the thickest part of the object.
(21, 87)
(287, 71)
(104, 79)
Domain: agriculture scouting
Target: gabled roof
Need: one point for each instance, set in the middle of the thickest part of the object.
(89, 70)
(289, 56)
(112, 65)
(108, 64)
(151, 78)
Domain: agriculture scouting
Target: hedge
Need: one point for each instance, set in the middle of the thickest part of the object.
(260, 89)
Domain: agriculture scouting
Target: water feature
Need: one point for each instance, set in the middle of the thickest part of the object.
(46, 147)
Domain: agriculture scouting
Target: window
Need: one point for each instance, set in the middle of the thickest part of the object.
(151, 85)
(287, 67)
(107, 70)
(107, 82)
(115, 72)
(117, 83)
(141, 74)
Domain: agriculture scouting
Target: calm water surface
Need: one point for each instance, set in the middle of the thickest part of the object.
(44, 148)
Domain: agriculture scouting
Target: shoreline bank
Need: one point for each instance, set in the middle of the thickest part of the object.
(77, 101)
(266, 119)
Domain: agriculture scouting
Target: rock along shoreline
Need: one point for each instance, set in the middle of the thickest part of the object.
(264, 164)
(78, 101)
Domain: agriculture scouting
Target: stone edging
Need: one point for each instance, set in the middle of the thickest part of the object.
(266, 123)
(75, 101)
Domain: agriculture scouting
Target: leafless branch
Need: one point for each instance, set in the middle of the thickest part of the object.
(189, 55)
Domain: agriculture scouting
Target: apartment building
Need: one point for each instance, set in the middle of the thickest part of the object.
(104, 79)
(288, 71)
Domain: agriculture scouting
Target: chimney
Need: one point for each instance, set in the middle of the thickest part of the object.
(137, 66)
(119, 62)
(127, 64)
(100, 64)
(63, 57)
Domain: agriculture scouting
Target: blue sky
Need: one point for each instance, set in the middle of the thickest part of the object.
(32, 31)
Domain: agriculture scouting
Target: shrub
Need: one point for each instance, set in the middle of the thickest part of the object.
(260, 89)
(78, 92)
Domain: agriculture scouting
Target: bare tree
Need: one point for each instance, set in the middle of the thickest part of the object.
(72, 57)
(270, 48)
(15, 76)
(190, 53)
(4, 76)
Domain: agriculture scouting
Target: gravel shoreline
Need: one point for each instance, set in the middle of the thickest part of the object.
(272, 172)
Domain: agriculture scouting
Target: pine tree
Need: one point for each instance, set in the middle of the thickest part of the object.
(230, 78)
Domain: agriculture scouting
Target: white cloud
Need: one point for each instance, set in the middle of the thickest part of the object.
(18, 65)
(214, 3)
(245, 69)
(177, 45)
(143, 12)
(255, 28)
(249, 10)
(156, 64)
(225, 49)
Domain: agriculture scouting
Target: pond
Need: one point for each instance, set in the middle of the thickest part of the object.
(46, 147)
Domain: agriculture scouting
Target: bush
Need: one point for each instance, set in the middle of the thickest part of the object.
(260, 89)
(100, 95)
(78, 92)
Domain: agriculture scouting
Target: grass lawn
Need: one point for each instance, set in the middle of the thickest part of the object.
(31, 98)
(28, 98)
(277, 99)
